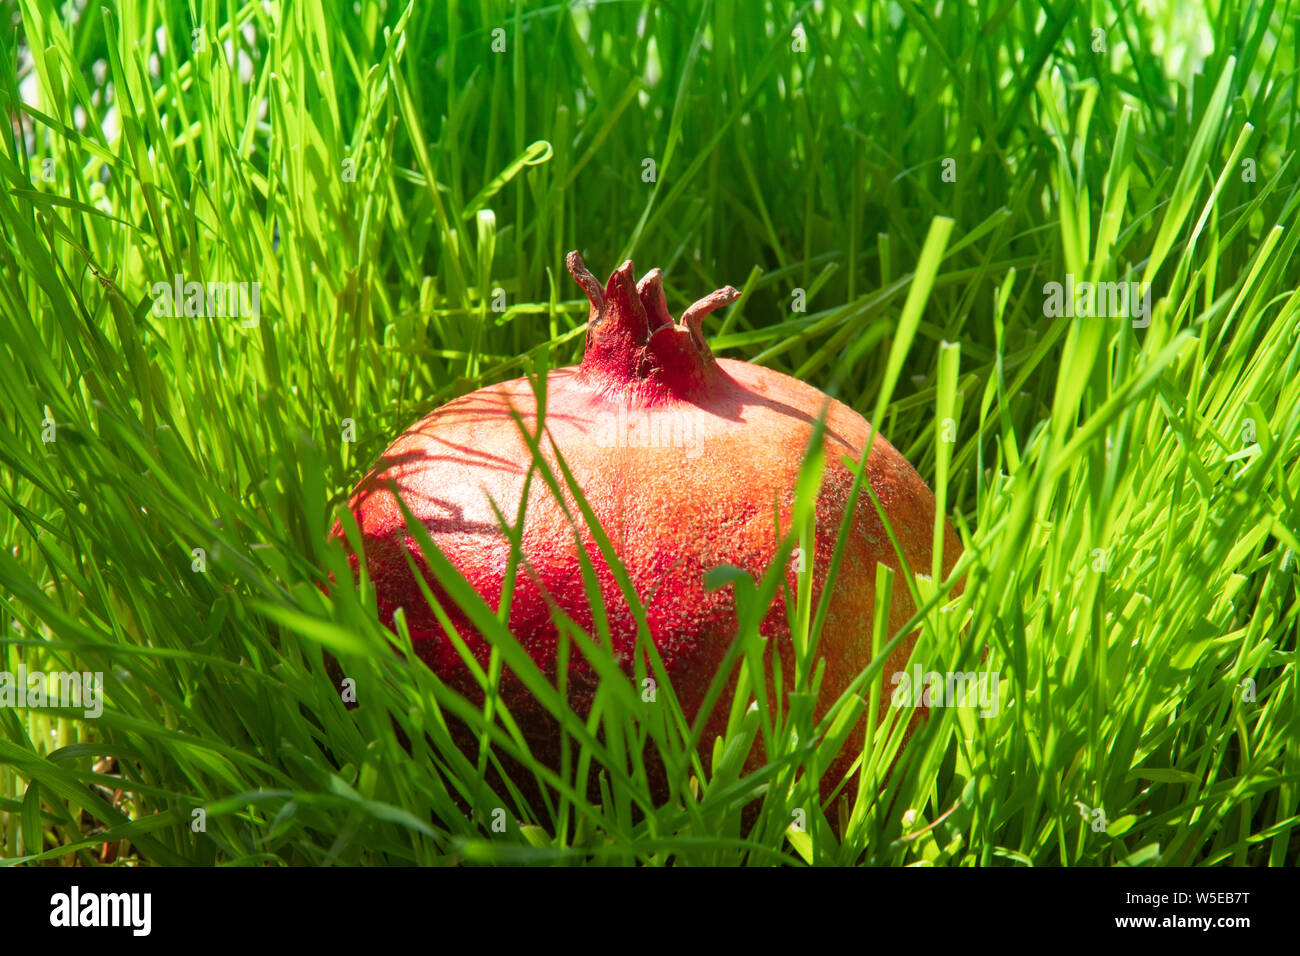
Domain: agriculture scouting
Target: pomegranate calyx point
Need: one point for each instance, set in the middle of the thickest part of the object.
(630, 331)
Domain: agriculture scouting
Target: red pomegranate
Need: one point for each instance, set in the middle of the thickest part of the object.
(687, 460)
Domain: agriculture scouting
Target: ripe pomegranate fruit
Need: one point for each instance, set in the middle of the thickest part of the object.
(685, 459)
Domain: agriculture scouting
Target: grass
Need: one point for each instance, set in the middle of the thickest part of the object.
(890, 187)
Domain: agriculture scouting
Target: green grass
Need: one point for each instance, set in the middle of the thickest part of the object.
(1127, 496)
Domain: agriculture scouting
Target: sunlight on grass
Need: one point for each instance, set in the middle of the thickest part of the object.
(382, 197)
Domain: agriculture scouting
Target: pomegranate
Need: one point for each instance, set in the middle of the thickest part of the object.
(688, 461)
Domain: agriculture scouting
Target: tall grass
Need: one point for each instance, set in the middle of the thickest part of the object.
(890, 186)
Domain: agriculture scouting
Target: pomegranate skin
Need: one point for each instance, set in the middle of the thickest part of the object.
(687, 461)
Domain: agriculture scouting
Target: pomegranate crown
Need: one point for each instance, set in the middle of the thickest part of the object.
(633, 341)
